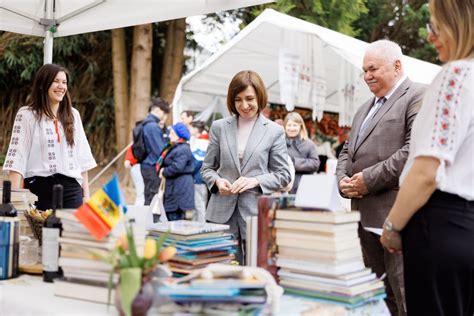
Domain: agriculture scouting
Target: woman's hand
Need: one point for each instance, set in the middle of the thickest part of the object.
(392, 241)
(224, 186)
(243, 184)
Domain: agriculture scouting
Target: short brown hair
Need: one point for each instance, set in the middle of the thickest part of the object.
(240, 82)
(455, 19)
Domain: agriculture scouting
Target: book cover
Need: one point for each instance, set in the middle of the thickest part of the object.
(318, 216)
(322, 269)
(284, 273)
(266, 243)
(297, 236)
(323, 287)
(186, 228)
(316, 227)
(324, 256)
(311, 244)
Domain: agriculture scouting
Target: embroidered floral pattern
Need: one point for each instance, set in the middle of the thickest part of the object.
(445, 119)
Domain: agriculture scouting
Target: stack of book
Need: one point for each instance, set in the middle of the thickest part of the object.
(225, 295)
(198, 244)
(319, 256)
(84, 275)
(9, 246)
(22, 200)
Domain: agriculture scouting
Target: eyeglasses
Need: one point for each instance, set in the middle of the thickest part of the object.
(431, 28)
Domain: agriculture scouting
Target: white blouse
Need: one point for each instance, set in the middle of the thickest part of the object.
(444, 129)
(38, 148)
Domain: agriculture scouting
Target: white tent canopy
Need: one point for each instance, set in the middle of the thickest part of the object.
(70, 17)
(259, 47)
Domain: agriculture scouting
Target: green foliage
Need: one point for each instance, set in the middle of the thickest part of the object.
(401, 21)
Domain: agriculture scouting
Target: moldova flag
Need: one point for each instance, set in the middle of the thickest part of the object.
(103, 210)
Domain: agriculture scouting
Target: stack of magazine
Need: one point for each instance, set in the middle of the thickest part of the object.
(198, 244)
(225, 292)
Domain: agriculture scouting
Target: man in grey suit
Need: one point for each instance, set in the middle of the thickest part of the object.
(373, 157)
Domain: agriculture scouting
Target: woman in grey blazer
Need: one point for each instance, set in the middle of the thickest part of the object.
(246, 157)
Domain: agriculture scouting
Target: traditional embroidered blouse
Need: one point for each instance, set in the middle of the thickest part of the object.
(39, 148)
(444, 129)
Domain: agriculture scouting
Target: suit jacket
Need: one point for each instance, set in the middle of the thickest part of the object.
(265, 158)
(381, 151)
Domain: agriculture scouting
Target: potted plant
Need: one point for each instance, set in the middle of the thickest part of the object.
(134, 292)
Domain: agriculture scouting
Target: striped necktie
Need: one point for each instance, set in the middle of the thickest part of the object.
(373, 111)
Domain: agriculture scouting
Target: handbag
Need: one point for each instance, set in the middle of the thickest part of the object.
(156, 205)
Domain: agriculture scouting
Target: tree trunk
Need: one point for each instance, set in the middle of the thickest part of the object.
(173, 59)
(120, 76)
(140, 83)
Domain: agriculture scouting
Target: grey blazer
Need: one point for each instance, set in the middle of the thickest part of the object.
(381, 151)
(265, 158)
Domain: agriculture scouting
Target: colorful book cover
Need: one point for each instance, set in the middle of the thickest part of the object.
(266, 243)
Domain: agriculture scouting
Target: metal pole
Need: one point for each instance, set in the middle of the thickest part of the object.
(48, 38)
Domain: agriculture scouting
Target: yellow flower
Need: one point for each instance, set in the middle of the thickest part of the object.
(122, 242)
(167, 253)
(150, 248)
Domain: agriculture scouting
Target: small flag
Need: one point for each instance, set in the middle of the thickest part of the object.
(103, 210)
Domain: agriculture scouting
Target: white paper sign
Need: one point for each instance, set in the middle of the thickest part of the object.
(318, 191)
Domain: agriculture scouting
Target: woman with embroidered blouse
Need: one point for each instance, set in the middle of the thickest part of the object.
(48, 145)
(432, 219)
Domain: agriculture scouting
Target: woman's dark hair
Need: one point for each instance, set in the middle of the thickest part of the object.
(40, 100)
(240, 82)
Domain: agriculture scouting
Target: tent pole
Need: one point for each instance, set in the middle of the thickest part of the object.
(48, 48)
(48, 37)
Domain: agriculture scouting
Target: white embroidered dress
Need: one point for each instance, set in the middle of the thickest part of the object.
(38, 148)
(444, 129)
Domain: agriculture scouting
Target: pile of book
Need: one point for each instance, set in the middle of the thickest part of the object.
(319, 256)
(22, 200)
(198, 244)
(84, 275)
(9, 246)
(208, 293)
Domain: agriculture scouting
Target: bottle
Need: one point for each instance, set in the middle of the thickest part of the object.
(6, 208)
(51, 230)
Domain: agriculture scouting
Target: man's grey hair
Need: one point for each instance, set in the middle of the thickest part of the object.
(388, 50)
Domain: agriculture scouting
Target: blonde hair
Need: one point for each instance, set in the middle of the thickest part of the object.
(296, 117)
(455, 19)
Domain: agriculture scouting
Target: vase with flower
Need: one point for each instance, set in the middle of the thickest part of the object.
(134, 292)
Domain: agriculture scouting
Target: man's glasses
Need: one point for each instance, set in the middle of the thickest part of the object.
(431, 28)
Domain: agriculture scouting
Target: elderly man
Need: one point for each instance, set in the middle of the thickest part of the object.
(373, 157)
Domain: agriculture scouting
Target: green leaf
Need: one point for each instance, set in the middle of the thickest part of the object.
(133, 257)
(130, 284)
(161, 241)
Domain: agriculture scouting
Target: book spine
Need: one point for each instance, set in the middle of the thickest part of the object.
(266, 255)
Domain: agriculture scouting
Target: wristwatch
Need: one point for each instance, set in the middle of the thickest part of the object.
(388, 226)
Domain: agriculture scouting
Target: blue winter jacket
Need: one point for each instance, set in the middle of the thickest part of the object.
(154, 141)
(179, 188)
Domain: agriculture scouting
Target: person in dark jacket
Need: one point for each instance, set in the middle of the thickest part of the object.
(154, 144)
(301, 150)
(175, 165)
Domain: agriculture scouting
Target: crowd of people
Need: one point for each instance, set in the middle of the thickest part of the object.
(406, 166)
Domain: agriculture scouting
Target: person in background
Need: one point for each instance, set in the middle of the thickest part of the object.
(301, 150)
(48, 144)
(432, 219)
(176, 166)
(199, 149)
(187, 118)
(132, 164)
(246, 157)
(154, 144)
(343, 136)
(373, 158)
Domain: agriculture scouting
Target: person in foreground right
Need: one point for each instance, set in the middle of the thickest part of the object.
(432, 219)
